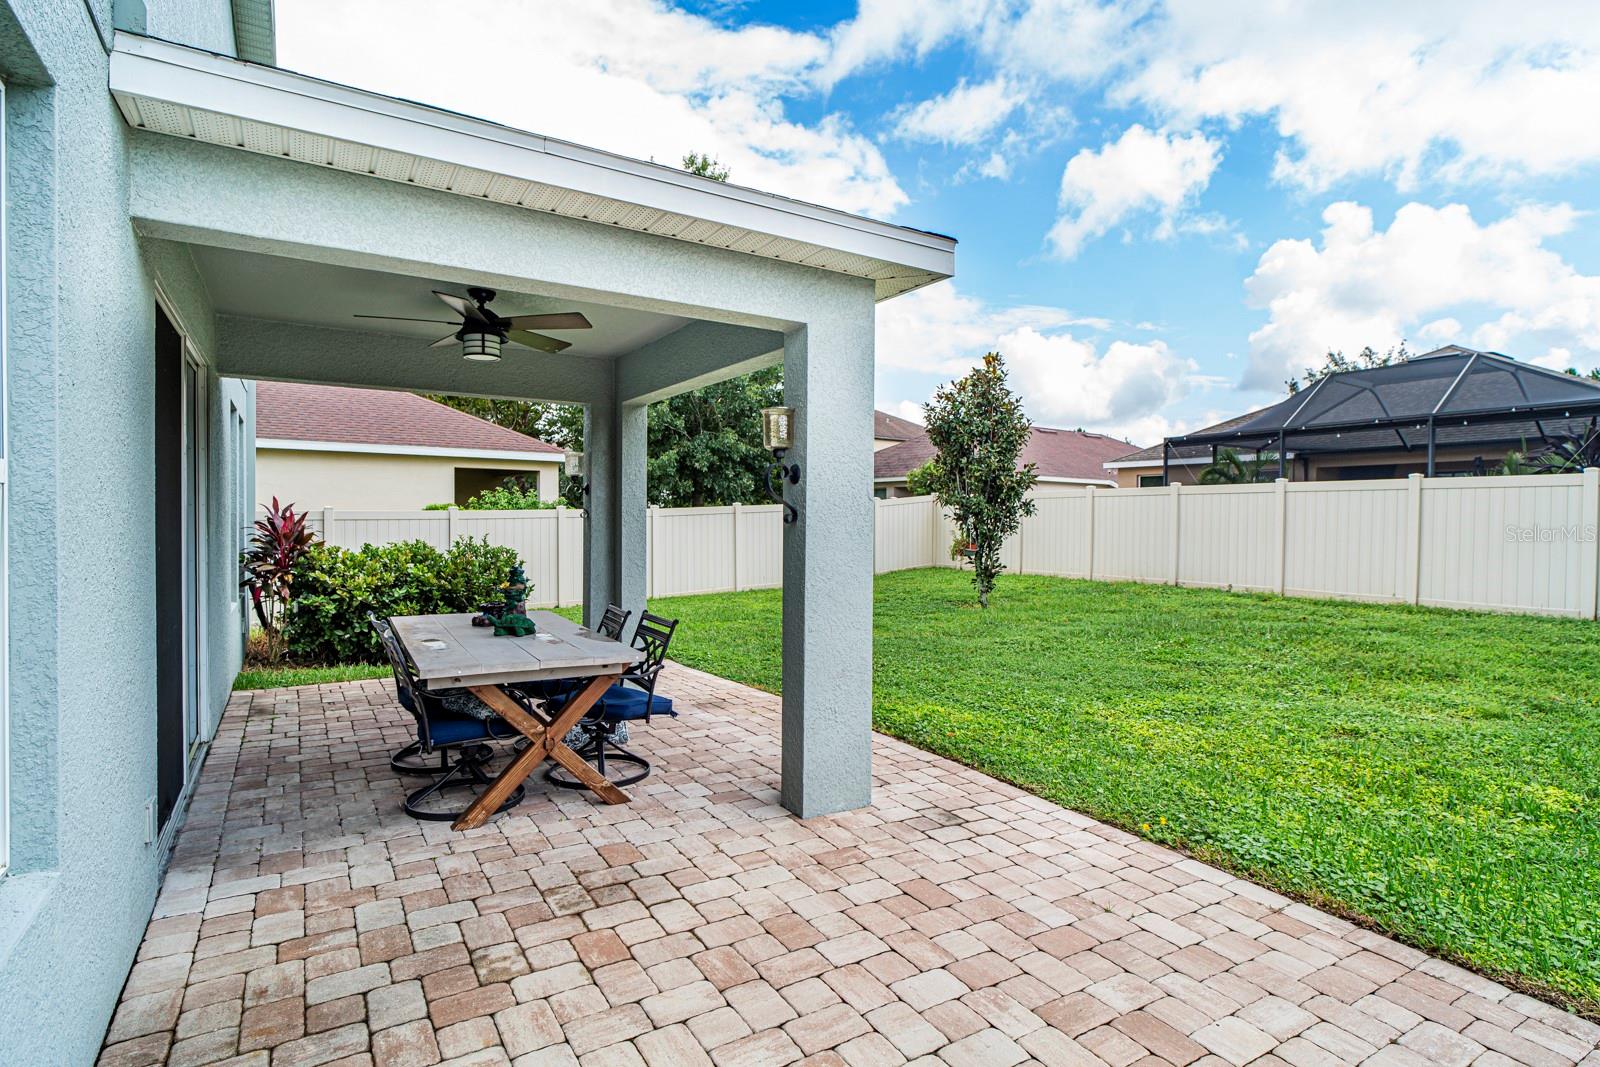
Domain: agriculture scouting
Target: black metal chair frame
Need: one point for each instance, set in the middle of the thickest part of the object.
(471, 757)
(652, 636)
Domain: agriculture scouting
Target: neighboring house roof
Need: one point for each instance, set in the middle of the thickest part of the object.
(318, 416)
(1057, 455)
(887, 427)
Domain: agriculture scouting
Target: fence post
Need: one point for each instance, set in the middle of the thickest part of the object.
(1020, 525)
(1280, 486)
(450, 526)
(1413, 573)
(561, 514)
(735, 551)
(328, 519)
(1590, 574)
(1088, 529)
(1174, 490)
(650, 551)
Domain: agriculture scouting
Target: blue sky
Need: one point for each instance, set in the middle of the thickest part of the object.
(1165, 207)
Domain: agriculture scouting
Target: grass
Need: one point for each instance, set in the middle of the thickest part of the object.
(1436, 774)
(282, 677)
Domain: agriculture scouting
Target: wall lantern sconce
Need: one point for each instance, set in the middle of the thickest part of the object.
(777, 436)
(573, 464)
(481, 347)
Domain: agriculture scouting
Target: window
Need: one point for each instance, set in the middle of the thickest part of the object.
(1151, 481)
(470, 481)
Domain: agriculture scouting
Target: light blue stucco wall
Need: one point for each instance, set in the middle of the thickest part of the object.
(81, 300)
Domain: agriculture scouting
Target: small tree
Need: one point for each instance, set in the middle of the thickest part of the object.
(705, 165)
(979, 430)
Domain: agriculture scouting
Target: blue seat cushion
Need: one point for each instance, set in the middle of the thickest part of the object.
(622, 703)
(450, 728)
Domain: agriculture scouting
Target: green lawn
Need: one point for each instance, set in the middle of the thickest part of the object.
(1435, 772)
(282, 677)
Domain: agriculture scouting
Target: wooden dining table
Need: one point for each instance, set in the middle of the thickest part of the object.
(449, 652)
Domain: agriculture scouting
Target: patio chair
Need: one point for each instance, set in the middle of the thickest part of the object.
(633, 699)
(612, 624)
(441, 728)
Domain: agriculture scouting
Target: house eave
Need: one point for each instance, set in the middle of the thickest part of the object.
(176, 90)
(291, 444)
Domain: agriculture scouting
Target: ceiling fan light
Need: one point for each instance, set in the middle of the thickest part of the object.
(481, 347)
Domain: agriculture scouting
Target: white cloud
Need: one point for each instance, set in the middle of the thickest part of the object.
(1405, 91)
(996, 167)
(963, 116)
(887, 30)
(909, 410)
(1064, 379)
(1372, 87)
(633, 76)
(1141, 171)
(1432, 269)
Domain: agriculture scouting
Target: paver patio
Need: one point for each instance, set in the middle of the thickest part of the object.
(305, 920)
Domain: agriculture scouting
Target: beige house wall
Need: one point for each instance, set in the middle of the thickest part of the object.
(377, 481)
(1328, 468)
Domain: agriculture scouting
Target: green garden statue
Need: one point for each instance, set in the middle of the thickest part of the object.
(512, 621)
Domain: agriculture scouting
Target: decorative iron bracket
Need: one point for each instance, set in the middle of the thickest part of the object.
(780, 471)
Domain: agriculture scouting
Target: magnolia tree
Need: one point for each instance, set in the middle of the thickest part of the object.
(979, 430)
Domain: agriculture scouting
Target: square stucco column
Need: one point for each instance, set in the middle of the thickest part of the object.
(614, 442)
(827, 567)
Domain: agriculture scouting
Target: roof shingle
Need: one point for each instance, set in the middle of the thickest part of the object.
(1055, 453)
(330, 413)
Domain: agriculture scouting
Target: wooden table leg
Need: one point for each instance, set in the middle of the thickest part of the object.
(545, 742)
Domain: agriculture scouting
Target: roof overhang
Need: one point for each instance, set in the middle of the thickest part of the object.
(172, 89)
(293, 444)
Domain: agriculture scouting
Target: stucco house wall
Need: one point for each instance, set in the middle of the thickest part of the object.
(81, 299)
(378, 482)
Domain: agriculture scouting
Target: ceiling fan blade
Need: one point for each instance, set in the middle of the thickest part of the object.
(465, 308)
(537, 341)
(404, 318)
(560, 320)
(447, 339)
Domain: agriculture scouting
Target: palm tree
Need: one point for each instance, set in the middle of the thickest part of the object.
(1230, 468)
(1569, 455)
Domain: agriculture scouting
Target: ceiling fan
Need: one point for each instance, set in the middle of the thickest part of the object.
(481, 332)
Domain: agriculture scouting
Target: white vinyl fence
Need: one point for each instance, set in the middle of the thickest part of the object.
(1521, 544)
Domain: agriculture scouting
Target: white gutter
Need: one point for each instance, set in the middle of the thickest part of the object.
(290, 444)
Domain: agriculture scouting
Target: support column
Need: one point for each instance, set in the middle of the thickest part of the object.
(614, 546)
(827, 565)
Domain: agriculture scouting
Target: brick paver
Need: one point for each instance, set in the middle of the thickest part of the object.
(305, 920)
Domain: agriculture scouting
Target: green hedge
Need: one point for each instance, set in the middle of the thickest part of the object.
(334, 588)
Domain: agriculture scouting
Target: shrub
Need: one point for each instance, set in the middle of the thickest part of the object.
(334, 588)
(510, 497)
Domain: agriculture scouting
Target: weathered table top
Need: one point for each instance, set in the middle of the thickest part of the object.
(448, 650)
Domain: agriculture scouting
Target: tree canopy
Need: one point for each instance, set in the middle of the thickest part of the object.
(1338, 363)
(977, 425)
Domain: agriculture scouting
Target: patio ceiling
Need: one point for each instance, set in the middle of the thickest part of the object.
(184, 92)
(259, 286)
